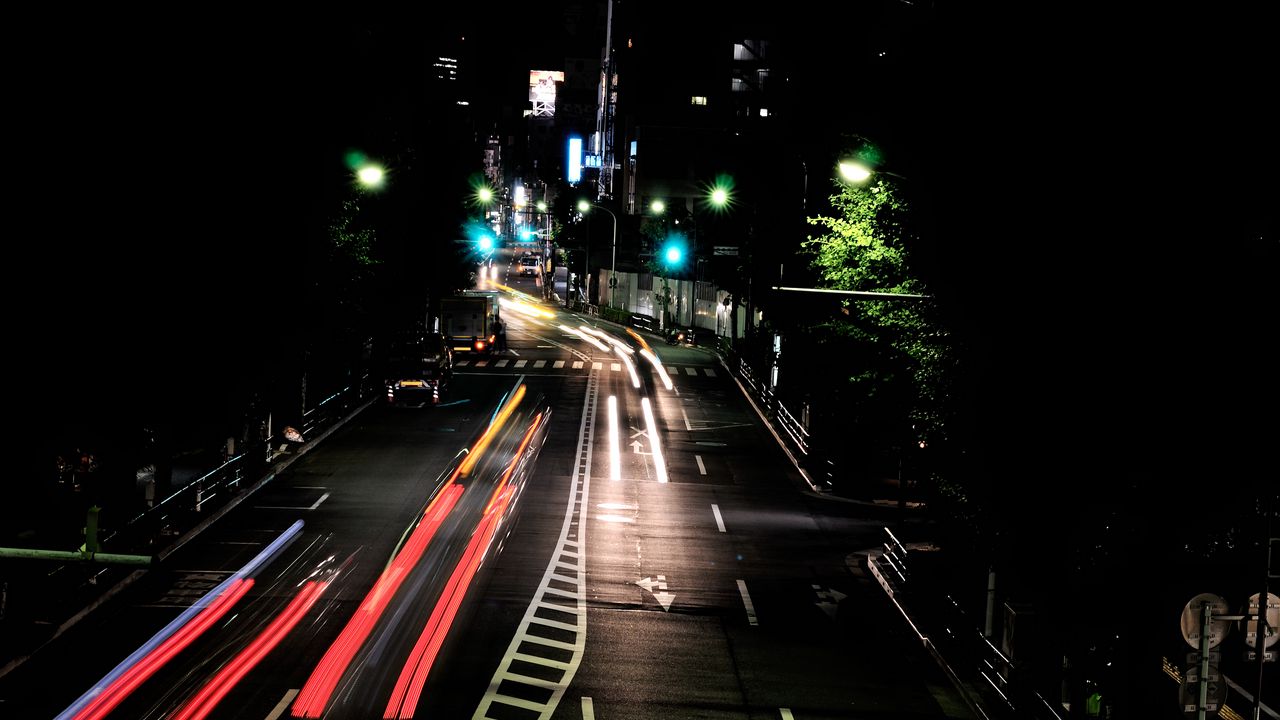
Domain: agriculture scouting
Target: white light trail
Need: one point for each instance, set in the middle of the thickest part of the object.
(631, 368)
(585, 336)
(657, 365)
(659, 465)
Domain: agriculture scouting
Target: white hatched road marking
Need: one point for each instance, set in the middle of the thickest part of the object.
(521, 363)
(539, 363)
(558, 364)
(691, 371)
(573, 547)
(501, 363)
(577, 364)
(596, 365)
(673, 370)
(615, 367)
(710, 372)
(482, 363)
(462, 363)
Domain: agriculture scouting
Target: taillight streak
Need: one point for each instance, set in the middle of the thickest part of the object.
(212, 693)
(315, 694)
(126, 683)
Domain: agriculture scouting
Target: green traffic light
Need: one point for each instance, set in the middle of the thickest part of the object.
(486, 242)
(673, 254)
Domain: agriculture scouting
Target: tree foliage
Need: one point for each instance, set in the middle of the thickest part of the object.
(902, 358)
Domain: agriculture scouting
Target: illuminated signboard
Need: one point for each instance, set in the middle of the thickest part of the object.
(574, 164)
(542, 91)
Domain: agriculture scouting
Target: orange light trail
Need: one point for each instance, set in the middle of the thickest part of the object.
(136, 675)
(215, 690)
(315, 694)
(483, 443)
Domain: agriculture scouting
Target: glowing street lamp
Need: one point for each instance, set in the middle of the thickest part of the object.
(583, 207)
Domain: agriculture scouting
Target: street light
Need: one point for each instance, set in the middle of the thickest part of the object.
(583, 206)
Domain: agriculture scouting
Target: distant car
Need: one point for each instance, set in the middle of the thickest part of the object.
(529, 265)
(419, 371)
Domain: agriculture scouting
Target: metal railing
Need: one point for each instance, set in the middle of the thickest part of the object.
(993, 684)
(65, 590)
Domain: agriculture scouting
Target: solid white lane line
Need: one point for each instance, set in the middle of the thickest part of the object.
(715, 509)
(701, 468)
(615, 452)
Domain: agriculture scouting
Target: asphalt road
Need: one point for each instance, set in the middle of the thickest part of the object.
(550, 541)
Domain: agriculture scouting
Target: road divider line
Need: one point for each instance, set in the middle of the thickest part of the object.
(659, 465)
(588, 709)
(701, 468)
(746, 602)
(615, 452)
(715, 509)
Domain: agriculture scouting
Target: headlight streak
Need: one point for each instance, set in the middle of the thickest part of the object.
(631, 369)
(413, 675)
(525, 308)
(144, 659)
(315, 694)
(657, 366)
(615, 342)
(615, 452)
(215, 690)
(659, 465)
(586, 336)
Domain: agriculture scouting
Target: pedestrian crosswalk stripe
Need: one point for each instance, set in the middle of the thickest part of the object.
(689, 371)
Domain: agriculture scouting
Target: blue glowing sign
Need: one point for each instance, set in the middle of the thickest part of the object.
(575, 160)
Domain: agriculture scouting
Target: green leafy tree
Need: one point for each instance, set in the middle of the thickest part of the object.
(903, 362)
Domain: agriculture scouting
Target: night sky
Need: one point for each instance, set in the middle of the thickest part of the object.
(1102, 191)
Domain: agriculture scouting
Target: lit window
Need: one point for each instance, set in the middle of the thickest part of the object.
(764, 112)
(699, 100)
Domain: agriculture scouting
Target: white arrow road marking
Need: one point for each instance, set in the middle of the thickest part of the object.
(828, 600)
(746, 602)
(663, 597)
(635, 447)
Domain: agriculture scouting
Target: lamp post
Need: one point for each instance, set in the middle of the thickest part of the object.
(583, 206)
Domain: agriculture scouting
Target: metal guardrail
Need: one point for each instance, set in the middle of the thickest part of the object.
(67, 589)
(993, 684)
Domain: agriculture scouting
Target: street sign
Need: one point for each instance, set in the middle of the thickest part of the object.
(1191, 620)
(725, 250)
(1193, 674)
(1273, 621)
(1189, 697)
